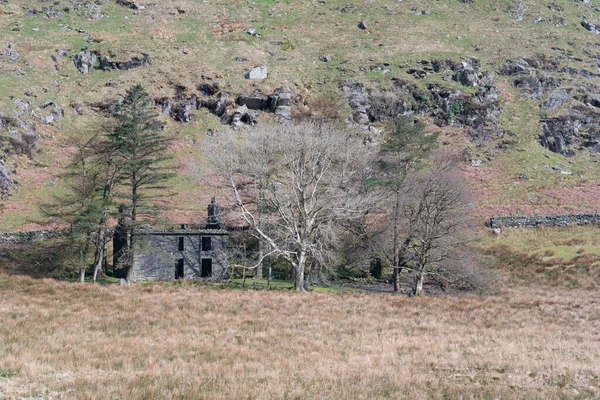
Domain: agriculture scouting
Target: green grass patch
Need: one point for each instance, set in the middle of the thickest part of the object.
(7, 373)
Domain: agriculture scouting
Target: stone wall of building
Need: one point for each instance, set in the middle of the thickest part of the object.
(168, 255)
(543, 220)
(28, 237)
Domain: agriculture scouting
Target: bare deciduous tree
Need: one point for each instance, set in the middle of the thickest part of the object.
(436, 208)
(400, 156)
(304, 179)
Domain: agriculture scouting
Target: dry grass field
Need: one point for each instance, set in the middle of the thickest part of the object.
(65, 340)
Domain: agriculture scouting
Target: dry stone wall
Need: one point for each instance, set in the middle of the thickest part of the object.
(27, 237)
(543, 220)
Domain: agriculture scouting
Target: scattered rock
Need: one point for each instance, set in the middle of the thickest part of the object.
(362, 25)
(23, 105)
(130, 4)
(78, 108)
(326, 58)
(251, 32)
(87, 61)
(10, 53)
(54, 118)
(257, 73)
(89, 10)
(590, 27)
(242, 116)
(418, 11)
(518, 10)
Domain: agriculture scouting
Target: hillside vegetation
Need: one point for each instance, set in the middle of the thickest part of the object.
(192, 45)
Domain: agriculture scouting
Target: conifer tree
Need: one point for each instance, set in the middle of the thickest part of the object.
(140, 151)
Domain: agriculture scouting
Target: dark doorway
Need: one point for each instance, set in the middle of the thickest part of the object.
(179, 270)
(206, 243)
(206, 267)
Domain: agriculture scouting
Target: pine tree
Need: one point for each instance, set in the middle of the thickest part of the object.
(140, 150)
(87, 203)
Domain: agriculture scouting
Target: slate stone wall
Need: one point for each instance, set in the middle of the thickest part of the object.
(27, 237)
(158, 255)
(544, 220)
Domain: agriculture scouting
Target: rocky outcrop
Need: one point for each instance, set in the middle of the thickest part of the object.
(280, 103)
(559, 135)
(556, 99)
(222, 104)
(137, 61)
(242, 116)
(578, 128)
(478, 112)
(359, 100)
(467, 72)
(18, 135)
(87, 61)
(55, 116)
(6, 183)
(536, 86)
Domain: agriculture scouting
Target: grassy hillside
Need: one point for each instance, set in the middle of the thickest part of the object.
(195, 42)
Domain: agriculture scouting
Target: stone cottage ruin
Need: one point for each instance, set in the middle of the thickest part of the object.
(190, 251)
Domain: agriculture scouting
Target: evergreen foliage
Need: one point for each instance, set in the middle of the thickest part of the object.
(140, 150)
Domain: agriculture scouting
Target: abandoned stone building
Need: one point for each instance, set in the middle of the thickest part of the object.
(190, 251)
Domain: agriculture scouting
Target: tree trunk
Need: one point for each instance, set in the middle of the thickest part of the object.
(270, 276)
(129, 276)
(396, 249)
(100, 249)
(82, 275)
(418, 288)
(131, 228)
(261, 252)
(299, 269)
